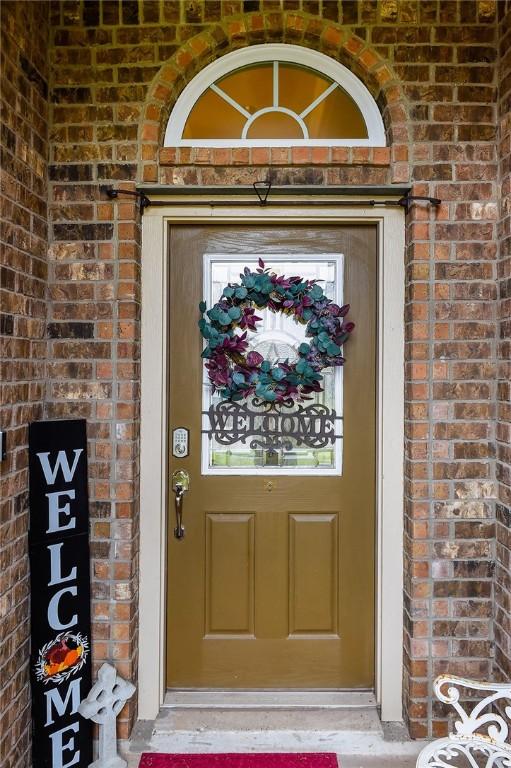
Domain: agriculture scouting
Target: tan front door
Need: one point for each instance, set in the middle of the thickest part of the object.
(273, 584)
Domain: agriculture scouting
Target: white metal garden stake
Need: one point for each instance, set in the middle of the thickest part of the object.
(105, 700)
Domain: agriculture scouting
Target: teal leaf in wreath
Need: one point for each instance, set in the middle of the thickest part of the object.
(238, 373)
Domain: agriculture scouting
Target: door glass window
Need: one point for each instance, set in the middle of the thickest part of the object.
(247, 437)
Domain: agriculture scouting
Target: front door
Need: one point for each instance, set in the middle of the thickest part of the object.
(273, 584)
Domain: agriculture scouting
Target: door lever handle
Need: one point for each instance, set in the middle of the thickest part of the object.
(180, 485)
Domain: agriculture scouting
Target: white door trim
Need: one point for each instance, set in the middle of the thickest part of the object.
(153, 467)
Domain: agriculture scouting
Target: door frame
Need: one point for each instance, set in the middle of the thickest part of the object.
(194, 209)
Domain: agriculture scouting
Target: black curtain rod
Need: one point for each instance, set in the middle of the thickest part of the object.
(262, 200)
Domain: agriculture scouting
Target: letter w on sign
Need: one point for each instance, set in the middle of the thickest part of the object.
(61, 462)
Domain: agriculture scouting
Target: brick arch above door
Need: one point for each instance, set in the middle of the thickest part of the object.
(335, 40)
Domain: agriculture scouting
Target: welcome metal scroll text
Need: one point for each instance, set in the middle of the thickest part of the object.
(314, 426)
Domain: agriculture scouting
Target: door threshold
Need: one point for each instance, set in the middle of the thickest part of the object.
(235, 699)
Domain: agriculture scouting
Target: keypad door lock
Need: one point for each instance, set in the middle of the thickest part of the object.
(180, 442)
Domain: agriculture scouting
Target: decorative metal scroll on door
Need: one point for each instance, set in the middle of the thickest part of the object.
(313, 426)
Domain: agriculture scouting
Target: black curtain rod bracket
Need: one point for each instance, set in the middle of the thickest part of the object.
(262, 190)
(408, 200)
(113, 194)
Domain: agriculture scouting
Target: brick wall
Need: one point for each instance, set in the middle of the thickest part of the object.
(432, 68)
(117, 69)
(23, 275)
(503, 553)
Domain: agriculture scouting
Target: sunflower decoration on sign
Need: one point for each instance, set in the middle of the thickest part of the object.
(61, 657)
(238, 374)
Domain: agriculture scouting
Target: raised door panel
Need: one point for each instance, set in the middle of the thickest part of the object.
(313, 574)
(229, 587)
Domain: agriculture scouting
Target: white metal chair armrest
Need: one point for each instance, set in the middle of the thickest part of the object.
(479, 735)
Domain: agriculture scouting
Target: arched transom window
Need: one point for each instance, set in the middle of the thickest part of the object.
(275, 95)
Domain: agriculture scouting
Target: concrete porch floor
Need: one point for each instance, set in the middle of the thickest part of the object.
(352, 730)
(381, 755)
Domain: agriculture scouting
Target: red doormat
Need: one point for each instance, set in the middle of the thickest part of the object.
(256, 760)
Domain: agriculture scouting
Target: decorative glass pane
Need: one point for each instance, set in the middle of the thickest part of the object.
(242, 438)
(275, 100)
(228, 122)
(273, 125)
(299, 87)
(250, 87)
(336, 115)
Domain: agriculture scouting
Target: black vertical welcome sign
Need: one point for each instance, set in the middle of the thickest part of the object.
(60, 662)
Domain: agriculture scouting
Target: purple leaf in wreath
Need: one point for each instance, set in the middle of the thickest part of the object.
(233, 344)
(249, 319)
(315, 386)
(254, 359)
(261, 263)
(218, 371)
(282, 282)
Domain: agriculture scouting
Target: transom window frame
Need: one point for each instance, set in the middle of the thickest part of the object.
(285, 53)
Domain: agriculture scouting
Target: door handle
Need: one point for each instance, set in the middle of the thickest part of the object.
(180, 485)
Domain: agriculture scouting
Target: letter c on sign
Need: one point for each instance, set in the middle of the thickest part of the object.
(53, 609)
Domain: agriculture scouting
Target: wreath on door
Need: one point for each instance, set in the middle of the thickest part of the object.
(238, 374)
